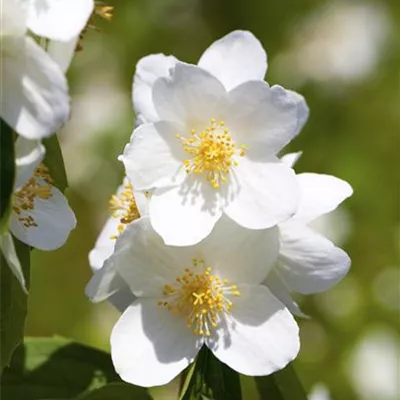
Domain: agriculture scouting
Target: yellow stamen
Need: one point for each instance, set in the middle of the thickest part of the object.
(200, 297)
(213, 152)
(123, 206)
(38, 186)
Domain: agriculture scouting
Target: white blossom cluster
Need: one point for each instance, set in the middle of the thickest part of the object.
(209, 233)
(38, 40)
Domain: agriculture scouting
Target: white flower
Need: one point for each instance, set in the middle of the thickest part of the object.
(210, 140)
(41, 216)
(34, 98)
(208, 294)
(308, 262)
(126, 206)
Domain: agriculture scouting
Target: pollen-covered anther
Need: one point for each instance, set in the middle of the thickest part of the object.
(37, 186)
(200, 297)
(123, 207)
(213, 152)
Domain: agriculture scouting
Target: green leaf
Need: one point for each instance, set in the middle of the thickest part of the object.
(55, 367)
(54, 161)
(58, 368)
(13, 304)
(210, 379)
(282, 385)
(117, 391)
(7, 172)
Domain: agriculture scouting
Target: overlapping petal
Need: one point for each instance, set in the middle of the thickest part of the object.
(150, 346)
(260, 336)
(236, 58)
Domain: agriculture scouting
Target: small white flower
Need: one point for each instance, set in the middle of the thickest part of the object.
(41, 216)
(34, 99)
(126, 206)
(208, 294)
(308, 262)
(210, 140)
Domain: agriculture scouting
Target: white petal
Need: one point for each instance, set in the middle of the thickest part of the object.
(261, 336)
(154, 157)
(262, 194)
(104, 246)
(104, 283)
(63, 52)
(148, 70)
(55, 221)
(239, 254)
(58, 19)
(28, 154)
(262, 118)
(186, 214)
(236, 58)
(189, 97)
(290, 159)
(144, 262)
(308, 262)
(8, 249)
(281, 292)
(34, 97)
(12, 18)
(150, 346)
(302, 109)
(122, 299)
(320, 194)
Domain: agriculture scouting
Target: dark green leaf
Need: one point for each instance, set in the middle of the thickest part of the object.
(55, 368)
(210, 379)
(55, 163)
(7, 172)
(282, 385)
(117, 391)
(13, 305)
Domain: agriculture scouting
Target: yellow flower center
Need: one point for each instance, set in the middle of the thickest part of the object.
(213, 152)
(38, 186)
(123, 206)
(201, 297)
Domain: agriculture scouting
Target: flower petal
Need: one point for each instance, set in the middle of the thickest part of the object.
(154, 157)
(144, 262)
(10, 255)
(263, 118)
(290, 159)
(236, 58)
(12, 18)
(308, 262)
(55, 221)
(260, 337)
(186, 214)
(239, 254)
(150, 346)
(34, 97)
(320, 194)
(189, 97)
(28, 154)
(262, 194)
(58, 20)
(280, 291)
(148, 70)
(63, 52)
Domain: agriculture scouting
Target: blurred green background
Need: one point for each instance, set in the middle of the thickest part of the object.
(344, 58)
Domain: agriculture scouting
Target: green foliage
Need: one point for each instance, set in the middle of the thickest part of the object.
(117, 391)
(55, 163)
(282, 385)
(55, 367)
(13, 304)
(209, 379)
(7, 172)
